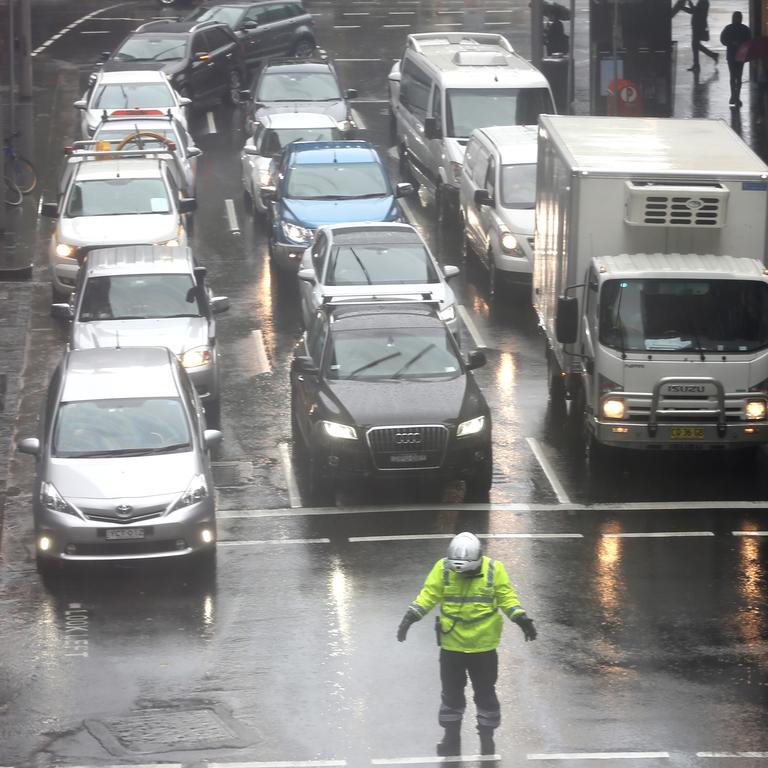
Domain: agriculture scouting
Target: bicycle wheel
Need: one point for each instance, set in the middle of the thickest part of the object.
(13, 194)
(24, 174)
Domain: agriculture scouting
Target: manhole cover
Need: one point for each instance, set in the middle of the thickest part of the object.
(230, 474)
(162, 729)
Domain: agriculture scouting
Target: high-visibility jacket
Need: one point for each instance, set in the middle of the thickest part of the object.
(470, 620)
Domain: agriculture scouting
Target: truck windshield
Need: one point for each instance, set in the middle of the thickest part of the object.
(468, 109)
(658, 315)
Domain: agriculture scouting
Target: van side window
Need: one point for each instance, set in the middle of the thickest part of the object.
(316, 337)
(318, 253)
(490, 177)
(437, 106)
(479, 167)
(414, 89)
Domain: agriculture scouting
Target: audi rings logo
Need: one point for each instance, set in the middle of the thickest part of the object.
(407, 438)
(123, 510)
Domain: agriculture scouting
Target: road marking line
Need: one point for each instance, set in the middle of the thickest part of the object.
(457, 24)
(367, 101)
(432, 760)
(469, 324)
(395, 26)
(283, 764)
(260, 352)
(599, 756)
(294, 497)
(749, 533)
(229, 204)
(72, 25)
(210, 122)
(733, 754)
(94, 32)
(254, 542)
(358, 60)
(658, 535)
(428, 536)
(346, 26)
(356, 13)
(402, 13)
(548, 470)
(359, 120)
(136, 765)
(496, 23)
(498, 11)
(448, 13)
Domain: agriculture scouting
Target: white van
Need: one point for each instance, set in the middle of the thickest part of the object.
(446, 85)
(497, 199)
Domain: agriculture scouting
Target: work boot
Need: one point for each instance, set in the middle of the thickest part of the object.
(451, 743)
(487, 745)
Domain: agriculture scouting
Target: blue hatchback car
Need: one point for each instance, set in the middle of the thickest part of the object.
(326, 182)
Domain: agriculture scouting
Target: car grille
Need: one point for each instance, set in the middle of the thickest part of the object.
(118, 548)
(684, 408)
(408, 447)
(110, 515)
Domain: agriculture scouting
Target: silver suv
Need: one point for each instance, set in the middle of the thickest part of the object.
(122, 461)
(142, 295)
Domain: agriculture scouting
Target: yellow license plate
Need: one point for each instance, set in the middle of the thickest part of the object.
(687, 433)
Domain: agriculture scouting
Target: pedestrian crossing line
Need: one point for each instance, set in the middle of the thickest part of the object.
(599, 756)
(433, 760)
(757, 755)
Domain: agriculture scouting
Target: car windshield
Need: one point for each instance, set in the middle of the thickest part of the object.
(469, 109)
(116, 197)
(298, 86)
(380, 265)
(133, 96)
(120, 427)
(518, 185)
(131, 297)
(702, 315)
(277, 138)
(391, 353)
(335, 181)
(142, 48)
(223, 13)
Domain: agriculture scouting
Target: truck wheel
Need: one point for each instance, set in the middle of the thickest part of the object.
(556, 384)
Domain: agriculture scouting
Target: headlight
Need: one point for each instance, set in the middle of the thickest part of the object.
(265, 177)
(613, 408)
(755, 410)
(196, 491)
(66, 251)
(296, 233)
(456, 169)
(471, 427)
(339, 431)
(194, 358)
(53, 501)
(510, 245)
(448, 314)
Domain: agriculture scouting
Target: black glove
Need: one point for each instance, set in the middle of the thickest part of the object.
(409, 618)
(526, 624)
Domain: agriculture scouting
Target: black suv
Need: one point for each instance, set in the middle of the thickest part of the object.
(201, 59)
(265, 28)
(308, 85)
(381, 390)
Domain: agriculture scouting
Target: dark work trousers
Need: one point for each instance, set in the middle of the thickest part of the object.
(697, 46)
(735, 69)
(483, 670)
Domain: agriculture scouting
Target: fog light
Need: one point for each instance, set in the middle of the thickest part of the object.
(44, 543)
(620, 430)
(750, 430)
(206, 535)
(181, 544)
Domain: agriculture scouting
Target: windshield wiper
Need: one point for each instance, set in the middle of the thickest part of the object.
(362, 266)
(373, 363)
(172, 448)
(180, 314)
(414, 359)
(370, 194)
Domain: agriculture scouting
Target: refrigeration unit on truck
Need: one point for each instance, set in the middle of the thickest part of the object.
(649, 281)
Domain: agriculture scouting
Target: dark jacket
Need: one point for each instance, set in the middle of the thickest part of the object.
(733, 37)
(699, 13)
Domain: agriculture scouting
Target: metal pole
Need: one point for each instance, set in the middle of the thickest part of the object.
(3, 212)
(614, 38)
(25, 34)
(11, 67)
(570, 95)
(537, 26)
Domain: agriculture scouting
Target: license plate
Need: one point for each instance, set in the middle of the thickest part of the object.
(121, 534)
(408, 458)
(686, 433)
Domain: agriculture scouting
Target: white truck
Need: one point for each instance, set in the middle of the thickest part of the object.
(649, 281)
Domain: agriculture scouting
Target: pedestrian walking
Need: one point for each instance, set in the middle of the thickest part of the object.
(699, 31)
(471, 588)
(733, 36)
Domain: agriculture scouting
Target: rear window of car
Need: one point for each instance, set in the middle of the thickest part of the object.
(400, 264)
(141, 48)
(298, 86)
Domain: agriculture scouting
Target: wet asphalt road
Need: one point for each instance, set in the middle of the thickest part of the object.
(651, 605)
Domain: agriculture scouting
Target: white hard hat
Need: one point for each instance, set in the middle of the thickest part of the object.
(465, 553)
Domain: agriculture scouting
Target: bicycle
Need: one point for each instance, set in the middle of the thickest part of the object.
(13, 194)
(17, 168)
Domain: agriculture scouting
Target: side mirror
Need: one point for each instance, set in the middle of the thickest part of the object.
(219, 304)
(482, 197)
(350, 93)
(80, 104)
(51, 210)
(450, 271)
(249, 24)
(104, 55)
(250, 150)
(475, 359)
(307, 275)
(567, 319)
(403, 189)
(431, 128)
(187, 204)
(304, 365)
(268, 193)
(200, 274)
(212, 437)
(62, 311)
(194, 151)
(30, 445)
(184, 101)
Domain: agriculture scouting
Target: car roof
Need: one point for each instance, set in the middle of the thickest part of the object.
(127, 372)
(131, 76)
(130, 168)
(139, 259)
(361, 315)
(289, 64)
(373, 233)
(328, 152)
(515, 143)
(172, 27)
(297, 120)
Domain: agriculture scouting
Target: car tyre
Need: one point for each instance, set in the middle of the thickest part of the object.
(321, 493)
(47, 567)
(304, 48)
(556, 384)
(478, 487)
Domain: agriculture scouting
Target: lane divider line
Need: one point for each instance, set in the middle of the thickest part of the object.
(749, 533)
(229, 205)
(283, 764)
(758, 755)
(210, 122)
(260, 353)
(261, 542)
(599, 756)
(71, 26)
(658, 535)
(432, 760)
(294, 497)
(428, 536)
(469, 324)
(549, 471)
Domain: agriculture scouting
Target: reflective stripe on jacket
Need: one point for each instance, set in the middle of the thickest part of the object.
(470, 620)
